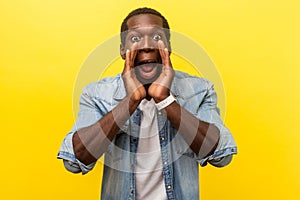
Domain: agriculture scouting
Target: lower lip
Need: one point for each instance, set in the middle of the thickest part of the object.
(147, 71)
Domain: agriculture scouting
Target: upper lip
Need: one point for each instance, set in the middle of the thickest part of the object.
(140, 62)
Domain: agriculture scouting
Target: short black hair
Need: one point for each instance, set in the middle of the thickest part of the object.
(140, 11)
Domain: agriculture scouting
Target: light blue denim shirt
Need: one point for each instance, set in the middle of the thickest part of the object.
(180, 163)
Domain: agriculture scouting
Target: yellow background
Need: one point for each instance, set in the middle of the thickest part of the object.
(255, 45)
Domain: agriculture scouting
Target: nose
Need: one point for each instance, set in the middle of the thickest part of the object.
(146, 44)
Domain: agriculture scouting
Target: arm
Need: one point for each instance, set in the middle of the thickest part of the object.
(202, 137)
(207, 112)
(91, 142)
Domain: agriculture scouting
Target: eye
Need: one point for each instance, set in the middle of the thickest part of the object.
(156, 37)
(135, 38)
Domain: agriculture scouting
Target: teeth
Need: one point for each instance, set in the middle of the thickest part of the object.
(146, 61)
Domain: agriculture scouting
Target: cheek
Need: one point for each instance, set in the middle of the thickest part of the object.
(128, 45)
(132, 45)
(166, 43)
(128, 42)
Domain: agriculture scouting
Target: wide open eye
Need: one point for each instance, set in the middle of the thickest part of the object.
(135, 38)
(156, 37)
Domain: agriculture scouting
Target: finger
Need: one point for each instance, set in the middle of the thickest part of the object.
(133, 54)
(161, 46)
(164, 53)
(167, 58)
(127, 61)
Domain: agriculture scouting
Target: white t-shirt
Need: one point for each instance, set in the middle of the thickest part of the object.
(149, 179)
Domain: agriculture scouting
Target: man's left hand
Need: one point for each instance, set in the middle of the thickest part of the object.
(160, 88)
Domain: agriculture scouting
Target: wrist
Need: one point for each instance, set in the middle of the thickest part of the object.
(135, 97)
(165, 102)
(161, 98)
(132, 101)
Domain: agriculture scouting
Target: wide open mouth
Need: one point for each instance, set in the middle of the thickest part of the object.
(147, 70)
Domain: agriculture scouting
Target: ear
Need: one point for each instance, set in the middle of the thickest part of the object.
(122, 51)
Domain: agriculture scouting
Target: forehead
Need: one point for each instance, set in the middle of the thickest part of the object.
(144, 20)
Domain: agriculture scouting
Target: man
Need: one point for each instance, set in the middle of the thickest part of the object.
(154, 124)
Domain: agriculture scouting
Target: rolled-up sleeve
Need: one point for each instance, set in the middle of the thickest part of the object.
(71, 163)
(222, 155)
(209, 112)
(88, 115)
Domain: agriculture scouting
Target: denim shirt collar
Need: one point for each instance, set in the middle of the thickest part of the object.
(120, 92)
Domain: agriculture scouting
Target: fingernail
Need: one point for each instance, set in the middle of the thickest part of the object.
(127, 51)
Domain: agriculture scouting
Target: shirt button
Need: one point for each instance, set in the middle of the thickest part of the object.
(169, 187)
(165, 163)
(159, 113)
(162, 138)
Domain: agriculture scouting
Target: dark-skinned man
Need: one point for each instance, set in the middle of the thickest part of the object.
(155, 125)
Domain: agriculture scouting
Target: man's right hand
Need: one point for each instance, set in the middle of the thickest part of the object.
(134, 89)
(91, 142)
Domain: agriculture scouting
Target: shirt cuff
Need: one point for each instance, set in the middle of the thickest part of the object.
(221, 162)
(71, 163)
(219, 158)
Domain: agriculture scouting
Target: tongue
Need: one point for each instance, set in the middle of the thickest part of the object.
(147, 67)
